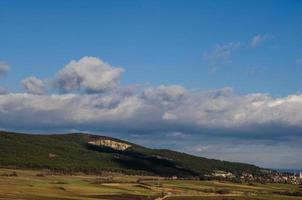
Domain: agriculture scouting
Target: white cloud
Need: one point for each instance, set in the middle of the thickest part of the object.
(195, 149)
(259, 39)
(221, 53)
(299, 61)
(89, 74)
(4, 68)
(170, 108)
(33, 85)
(171, 112)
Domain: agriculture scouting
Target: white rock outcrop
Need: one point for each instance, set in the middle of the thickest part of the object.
(111, 143)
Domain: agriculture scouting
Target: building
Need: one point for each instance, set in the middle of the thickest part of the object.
(300, 175)
(223, 174)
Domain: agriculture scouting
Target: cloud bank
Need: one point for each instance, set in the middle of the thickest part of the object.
(163, 108)
(93, 99)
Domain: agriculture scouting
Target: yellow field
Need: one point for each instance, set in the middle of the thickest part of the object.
(41, 185)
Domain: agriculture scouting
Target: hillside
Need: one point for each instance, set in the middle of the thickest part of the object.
(93, 154)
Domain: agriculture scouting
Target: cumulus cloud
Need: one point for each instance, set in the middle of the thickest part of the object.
(259, 39)
(33, 85)
(4, 68)
(89, 74)
(221, 53)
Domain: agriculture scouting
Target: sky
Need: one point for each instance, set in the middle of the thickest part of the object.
(220, 79)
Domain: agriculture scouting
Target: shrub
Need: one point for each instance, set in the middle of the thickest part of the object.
(223, 191)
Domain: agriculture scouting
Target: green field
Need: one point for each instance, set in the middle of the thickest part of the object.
(43, 185)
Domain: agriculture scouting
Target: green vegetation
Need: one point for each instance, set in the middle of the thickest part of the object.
(71, 153)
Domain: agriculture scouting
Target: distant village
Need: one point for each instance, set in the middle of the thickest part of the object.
(268, 177)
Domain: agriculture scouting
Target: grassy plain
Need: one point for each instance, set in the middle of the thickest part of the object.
(42, 185)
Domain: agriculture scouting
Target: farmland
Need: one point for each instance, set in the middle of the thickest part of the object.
(45, 185)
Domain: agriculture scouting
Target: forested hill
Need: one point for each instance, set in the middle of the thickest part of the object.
(93, 154)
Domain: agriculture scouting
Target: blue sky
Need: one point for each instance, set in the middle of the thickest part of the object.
(199, 74)
(157, 42)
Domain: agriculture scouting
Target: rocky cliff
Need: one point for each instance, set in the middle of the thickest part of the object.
(111, 143)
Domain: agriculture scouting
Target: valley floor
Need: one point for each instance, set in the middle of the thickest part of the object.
(43, 185)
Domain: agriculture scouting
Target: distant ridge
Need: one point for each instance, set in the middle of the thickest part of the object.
(94, 154)
(288, 170)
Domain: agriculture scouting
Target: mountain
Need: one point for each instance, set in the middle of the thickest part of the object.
(94, 154)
